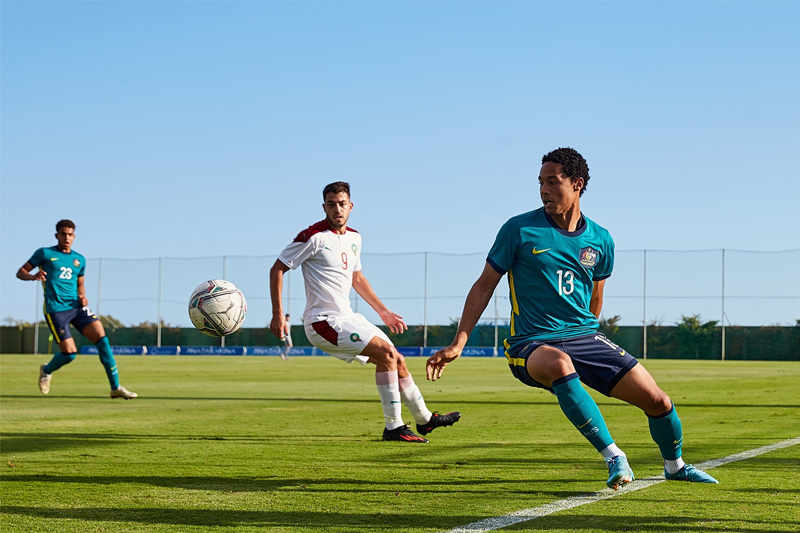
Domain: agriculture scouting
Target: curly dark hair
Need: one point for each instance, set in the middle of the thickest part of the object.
(336, 187)
(64, 224)
(573, 163)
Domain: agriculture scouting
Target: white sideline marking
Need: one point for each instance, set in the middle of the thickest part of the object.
(490, 524)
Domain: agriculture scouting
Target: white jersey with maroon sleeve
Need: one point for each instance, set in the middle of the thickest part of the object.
(328, 260)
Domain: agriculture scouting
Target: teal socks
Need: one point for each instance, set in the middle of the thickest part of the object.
(107, 358)
(667, 432)
(582, 411)
(59, 359)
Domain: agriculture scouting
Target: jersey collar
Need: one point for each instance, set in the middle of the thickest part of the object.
(579, 231)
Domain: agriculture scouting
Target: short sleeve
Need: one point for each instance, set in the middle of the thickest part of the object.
(605, 264)
(293, 255)
(37, 257)
(357, 266)
(504, 249)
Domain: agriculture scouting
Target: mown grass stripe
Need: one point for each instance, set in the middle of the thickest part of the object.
(499, 522)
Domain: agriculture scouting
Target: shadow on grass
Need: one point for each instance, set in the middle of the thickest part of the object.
(548, 401)
(316, 485)
(652, 524)
(352, 521)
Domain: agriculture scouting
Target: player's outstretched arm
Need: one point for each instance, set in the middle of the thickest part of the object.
(477, 300)
(278, 325)
(24, 273)
(364, 289)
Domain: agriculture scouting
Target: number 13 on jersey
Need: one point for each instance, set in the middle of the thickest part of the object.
(566, 282)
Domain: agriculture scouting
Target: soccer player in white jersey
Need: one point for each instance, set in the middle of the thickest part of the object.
(330, 254)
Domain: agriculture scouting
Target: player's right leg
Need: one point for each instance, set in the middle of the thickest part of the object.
(552, 369)
(352, 340)
(59, 327)
(91, 328)
(639, 388)
(383, 355)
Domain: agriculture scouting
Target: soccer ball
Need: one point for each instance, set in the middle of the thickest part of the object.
(217, 308)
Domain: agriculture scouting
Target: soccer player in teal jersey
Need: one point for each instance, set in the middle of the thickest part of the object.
(61, 272)
(557, 261)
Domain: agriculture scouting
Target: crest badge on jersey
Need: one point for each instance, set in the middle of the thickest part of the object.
(354, 248)
(588, 257)
(76, 263)
(355, 337)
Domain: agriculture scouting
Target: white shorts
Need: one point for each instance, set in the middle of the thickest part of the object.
(344, 337)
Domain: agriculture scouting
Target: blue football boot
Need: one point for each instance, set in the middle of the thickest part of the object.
(619, 472)
(689, 473)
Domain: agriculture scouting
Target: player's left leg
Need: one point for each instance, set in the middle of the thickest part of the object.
(639, 388)
(412, 398)
(93, 330)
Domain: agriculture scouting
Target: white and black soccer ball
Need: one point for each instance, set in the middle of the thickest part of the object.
(217, 308)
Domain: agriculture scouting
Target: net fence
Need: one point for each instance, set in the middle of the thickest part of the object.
(653, 287)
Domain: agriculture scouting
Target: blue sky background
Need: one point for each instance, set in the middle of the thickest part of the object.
(186, 129)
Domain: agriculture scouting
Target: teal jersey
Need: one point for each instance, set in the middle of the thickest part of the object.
(550, 275)
(61, 284)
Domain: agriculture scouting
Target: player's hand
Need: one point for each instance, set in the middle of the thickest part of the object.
(278, 326)
(39, 276)
(439, 360)
(84, 301)
(394, 321)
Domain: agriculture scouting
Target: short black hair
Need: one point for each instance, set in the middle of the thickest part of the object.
(64, 224)
(336, 187)
(572, 162)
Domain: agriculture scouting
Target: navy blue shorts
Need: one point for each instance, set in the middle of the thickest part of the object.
(59, 322)
(599, 362)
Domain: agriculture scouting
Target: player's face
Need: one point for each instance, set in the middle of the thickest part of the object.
(558, 192)
(65, 236)
(337, 210)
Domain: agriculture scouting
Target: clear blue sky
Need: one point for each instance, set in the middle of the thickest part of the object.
(209, 128)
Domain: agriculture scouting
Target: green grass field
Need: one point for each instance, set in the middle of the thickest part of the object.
(257, 444)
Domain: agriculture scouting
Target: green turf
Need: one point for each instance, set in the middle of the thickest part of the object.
(257, 444)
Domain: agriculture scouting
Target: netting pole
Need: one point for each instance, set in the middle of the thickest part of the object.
(425, 307)
(225, 277)
(99, 284)
(158, 325)
(495, 322)
(36, 322)
(722, 318)
(644, 307)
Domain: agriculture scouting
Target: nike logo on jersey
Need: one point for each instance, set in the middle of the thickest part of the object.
(54, 259)
(537, 252)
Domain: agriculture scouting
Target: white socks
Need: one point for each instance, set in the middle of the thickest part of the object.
(611, 451)
(673, 467)
(389, 391)
(412, 398)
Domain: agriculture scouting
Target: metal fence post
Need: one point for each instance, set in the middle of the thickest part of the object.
(722, 318)
(99, 285)
(36, 323)
(495, 322)
(225, 277)
(158, 326)
(644, 307)
(425, 306)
